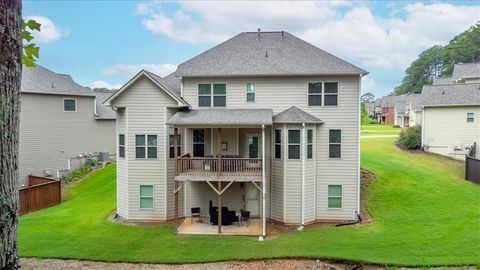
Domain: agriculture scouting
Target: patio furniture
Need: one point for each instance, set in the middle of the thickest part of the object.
(196, 212)
(228, 217)
(245, 216)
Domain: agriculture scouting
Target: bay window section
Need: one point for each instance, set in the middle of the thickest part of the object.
(145, 146)
(294, 144)
(310, 143)
(335, 143)
(278, 143)
(250, 92)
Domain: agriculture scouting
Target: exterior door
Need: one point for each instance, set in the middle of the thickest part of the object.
(252, 195)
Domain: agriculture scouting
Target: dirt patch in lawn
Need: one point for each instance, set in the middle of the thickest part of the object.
(55, 264)
(366, 178)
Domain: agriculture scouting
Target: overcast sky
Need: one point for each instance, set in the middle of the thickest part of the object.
(104, 43)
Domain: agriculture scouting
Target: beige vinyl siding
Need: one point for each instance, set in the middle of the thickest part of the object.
(445, 127)
(146, 103)
(122, 184)
(280, 93)
(310, 180)
(277, 183)
(293, 184)
(49, 136)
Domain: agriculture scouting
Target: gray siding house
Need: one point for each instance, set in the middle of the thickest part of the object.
(60, 120)
(266, 123)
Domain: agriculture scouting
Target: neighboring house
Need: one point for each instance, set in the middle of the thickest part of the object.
(466, 73)
(451, 122)
(385, 109)
(370, 108)
(268, 118)
(406, 110)
(59, 120)
(415, 110)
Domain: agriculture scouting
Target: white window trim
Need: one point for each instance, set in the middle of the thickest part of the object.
(341, 197)
(254, 92)
(76, 104)
(323, 94)
(329, 143)
(329, 94)
(145, 146)
(212, 95)
(473, 117)
(120, 145)
(275, 144)
(299, 144)
(140, 198)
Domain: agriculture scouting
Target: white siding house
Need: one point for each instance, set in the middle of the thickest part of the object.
(270, 119)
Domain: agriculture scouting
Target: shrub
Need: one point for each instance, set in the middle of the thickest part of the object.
(396, 126)
(77, 174)
(410, 138)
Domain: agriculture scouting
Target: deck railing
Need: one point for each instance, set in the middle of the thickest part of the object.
(199, 166)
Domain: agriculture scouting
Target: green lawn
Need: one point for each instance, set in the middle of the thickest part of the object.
(368, 130)
(425, 214)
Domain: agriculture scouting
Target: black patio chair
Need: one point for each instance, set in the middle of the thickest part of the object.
(245, 216)
(196, 212)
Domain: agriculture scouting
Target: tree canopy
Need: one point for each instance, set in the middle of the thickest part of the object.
(438, 61)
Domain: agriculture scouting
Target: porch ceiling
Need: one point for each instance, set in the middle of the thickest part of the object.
(222, 117)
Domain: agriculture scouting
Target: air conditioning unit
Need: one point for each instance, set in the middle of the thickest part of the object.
(457, 146)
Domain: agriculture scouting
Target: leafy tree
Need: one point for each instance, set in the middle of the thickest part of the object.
(13, 30)
(104, 90)
(367, 97)
(365, 119)
(438, 61)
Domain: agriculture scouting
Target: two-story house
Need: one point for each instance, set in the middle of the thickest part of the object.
(264, 122)
(59, 121)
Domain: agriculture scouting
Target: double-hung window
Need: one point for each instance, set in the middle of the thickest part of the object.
(204, 95)
(121, 145)
(335, 143)
(294, 144)
(470, 117)
(278, 143)
(146, 196)
(309, 143)
(174, 144)
(146, 146)
(250, 92)
(331, 94)
(209, 98)
(198, 142)
(334, 196)
(315, 94)
(69, 105)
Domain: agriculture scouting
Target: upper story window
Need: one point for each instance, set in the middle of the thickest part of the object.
(212, 95)
(146, 146)
(323, 94)
(250, 92)
(315, 94)
(309, 143)
(69, 105)
(294, 144)
(278, 143)
(331, 94)
(121, 145)
(198, 142)
(335, 143)
(470, 117)
(172, 145)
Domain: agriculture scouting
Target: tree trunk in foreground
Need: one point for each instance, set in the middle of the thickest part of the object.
(10, 78)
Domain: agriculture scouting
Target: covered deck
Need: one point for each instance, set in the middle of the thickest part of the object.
(189, 226)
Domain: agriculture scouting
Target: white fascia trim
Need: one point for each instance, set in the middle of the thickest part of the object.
(358, 146)
(165, 151)
(303, 155)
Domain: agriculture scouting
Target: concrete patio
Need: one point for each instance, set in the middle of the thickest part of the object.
(196, 227)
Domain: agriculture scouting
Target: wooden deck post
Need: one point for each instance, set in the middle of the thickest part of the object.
(175, 155)
(219, 172)
(264, 223)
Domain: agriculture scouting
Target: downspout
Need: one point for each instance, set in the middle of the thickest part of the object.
(302, 155)
(264, 223)
(422, 144)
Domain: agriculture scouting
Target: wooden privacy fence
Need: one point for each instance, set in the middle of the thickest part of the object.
(472, 165)
(42, 192)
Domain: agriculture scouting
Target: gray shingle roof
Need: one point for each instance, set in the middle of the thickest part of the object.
(102, 111)
(440, 81)
(272, 54)
(222, 117)
(295, 115)
(467, 70)
(455, 94)
(41, 80)
(389, 101)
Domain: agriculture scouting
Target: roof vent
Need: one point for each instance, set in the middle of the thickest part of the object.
(266, 53)
(258, 34)
(283, 34)
(443, 92)
(53, 85)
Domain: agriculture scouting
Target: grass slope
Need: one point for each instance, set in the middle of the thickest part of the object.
(425, 214)
(379, 130)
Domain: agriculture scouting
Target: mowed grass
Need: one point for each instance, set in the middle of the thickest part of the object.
(379, 129)
(424, 213)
